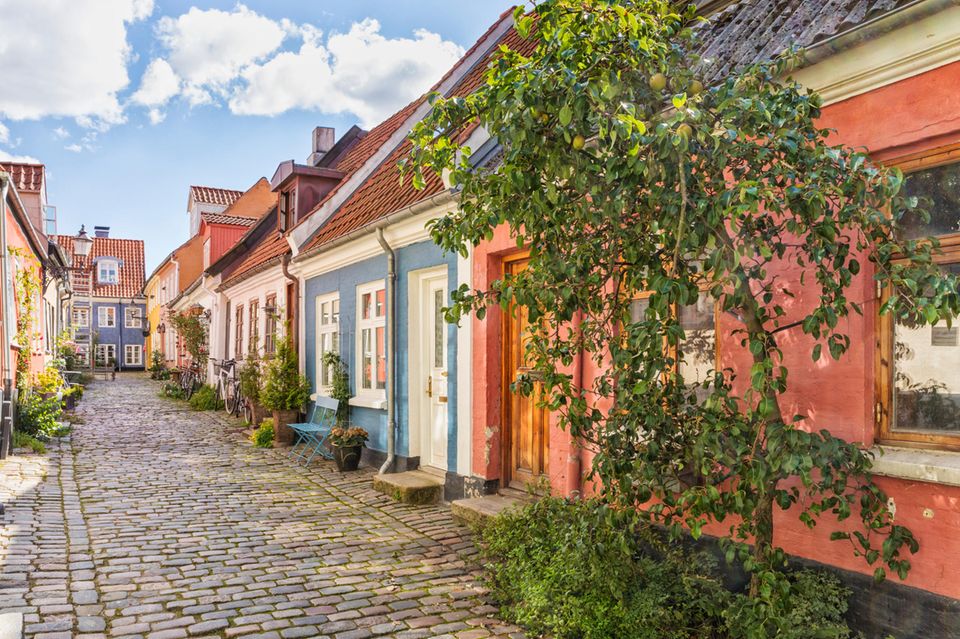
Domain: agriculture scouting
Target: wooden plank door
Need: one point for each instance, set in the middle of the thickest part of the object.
(525, 435)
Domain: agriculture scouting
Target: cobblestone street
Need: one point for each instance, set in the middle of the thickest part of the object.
(155, 521)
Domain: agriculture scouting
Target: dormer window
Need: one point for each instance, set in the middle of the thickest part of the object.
(107, 271)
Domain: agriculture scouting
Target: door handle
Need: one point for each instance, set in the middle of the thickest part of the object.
(430, 386)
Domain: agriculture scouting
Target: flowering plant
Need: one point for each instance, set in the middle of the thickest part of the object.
(347, 437)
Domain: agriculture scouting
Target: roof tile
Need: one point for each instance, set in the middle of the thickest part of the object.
(131, 270)
(26, 177)
(212, 195)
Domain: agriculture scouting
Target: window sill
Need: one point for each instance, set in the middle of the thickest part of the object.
(377, 403)
(934, 466)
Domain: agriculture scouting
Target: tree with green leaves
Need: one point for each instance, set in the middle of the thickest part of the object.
(628, 172)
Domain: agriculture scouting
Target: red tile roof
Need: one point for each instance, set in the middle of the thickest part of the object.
(26, 177)
(131, 270)
(212, 195)
(382, 193)
(231, 220)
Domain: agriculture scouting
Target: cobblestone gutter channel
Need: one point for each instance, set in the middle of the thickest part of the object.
(156, 522)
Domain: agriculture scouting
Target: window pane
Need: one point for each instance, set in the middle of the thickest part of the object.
(699, 346)
(365, 302)
(939, 192)
(324, 370)
(335, 305)
(325, 313)
(926, 376)
(366, 351)
(638, 309)
(381, 360)
(381, 302)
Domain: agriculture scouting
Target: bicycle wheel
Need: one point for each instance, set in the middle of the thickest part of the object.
(233, 399)
(219, 391)
(190, 387)
(248, 412)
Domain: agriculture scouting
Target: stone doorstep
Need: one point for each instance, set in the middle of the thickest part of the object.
(11, 625)
(476, 511)
(412, 487)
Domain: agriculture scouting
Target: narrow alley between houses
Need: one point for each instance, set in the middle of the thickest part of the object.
(154, 521)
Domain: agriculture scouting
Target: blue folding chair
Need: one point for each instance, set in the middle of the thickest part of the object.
(312, 435)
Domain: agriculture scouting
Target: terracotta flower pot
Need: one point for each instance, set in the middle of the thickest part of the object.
(347, 457)
(283, 434)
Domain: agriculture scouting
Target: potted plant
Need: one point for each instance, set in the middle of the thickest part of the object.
(346, 442)
(285, 391)
(250, 374)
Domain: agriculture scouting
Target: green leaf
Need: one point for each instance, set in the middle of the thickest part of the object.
(566, 115)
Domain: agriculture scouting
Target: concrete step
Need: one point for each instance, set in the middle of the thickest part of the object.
(476, 511)
(412, 487)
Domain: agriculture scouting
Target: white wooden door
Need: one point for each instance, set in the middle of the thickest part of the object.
(434, 354)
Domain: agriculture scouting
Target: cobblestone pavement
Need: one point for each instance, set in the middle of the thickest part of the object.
(154, 521)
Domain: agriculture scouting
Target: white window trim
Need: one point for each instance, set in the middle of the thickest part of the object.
(106, 349)
(102, 316)
(321, 331)
(368, 397)
(116, 270)
(132, 348)
(82, 315)
(137, 321)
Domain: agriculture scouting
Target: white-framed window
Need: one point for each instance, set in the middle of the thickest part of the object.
(132, 355)
(371, 339)
(81, 317)
(106, 353)
(82, 353)
(328, 336)
(132, 317)
(107, 271)
(106, 317)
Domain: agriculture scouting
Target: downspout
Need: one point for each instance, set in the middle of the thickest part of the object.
(8, 315)
(574, 457)
(391, 336)
(295, 308)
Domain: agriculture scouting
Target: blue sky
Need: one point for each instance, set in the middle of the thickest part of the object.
(129, 102)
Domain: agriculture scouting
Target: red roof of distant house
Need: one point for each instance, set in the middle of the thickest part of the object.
(382, 193)
(231, 220)
(26, 177)
(212, 195)
(130, 272)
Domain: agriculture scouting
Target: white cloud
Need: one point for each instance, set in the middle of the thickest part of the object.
(26, 159)
(360, 71)
(156, 116)
(61, 133)
(208, 49)
(75, 67)
(238, 58)
(74, 148)
(4, 134)
(158, 85)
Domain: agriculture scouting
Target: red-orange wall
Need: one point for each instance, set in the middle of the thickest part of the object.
(910, 116)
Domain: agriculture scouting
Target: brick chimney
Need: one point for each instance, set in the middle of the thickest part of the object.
(101, 231)
(324, 138)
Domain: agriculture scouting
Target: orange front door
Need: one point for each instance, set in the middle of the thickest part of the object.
(525, 441)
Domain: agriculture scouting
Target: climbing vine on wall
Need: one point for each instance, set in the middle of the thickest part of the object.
(193, 329)
(28, 291)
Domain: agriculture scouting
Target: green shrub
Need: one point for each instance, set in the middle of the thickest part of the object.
(262, 437)
(251, 378)
(284, 388)
(580, 570)
(37, 415)
(206, 399)
(172, 390)
(23, 440)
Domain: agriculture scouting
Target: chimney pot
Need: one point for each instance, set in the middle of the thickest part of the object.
(101, 231)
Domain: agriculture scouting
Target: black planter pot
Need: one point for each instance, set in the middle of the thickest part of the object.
(347, 457)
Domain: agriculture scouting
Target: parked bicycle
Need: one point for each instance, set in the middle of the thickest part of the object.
(190, 379)
(228, 386)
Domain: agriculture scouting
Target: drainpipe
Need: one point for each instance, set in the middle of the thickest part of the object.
(8, 314)
(295, 302)
(574, 457)
(391, 336)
